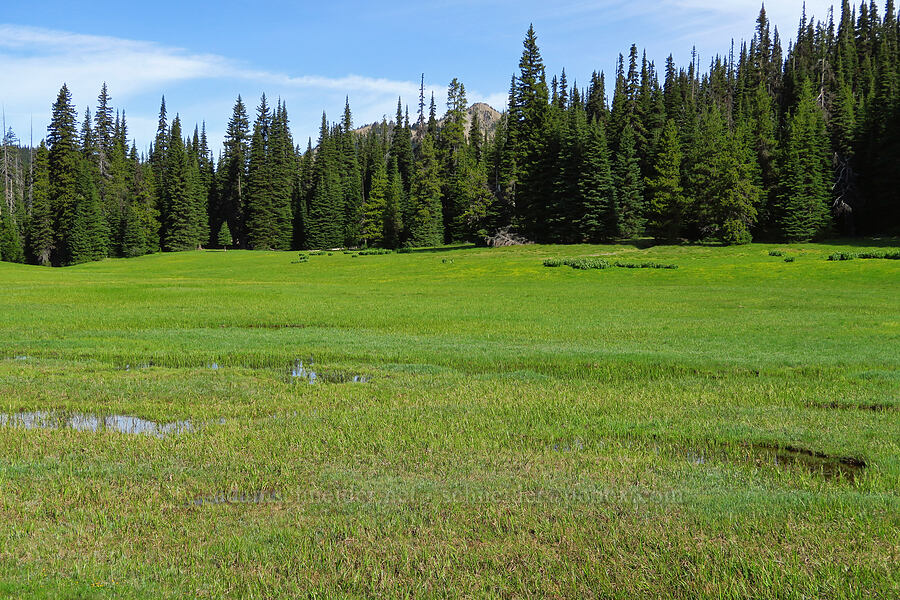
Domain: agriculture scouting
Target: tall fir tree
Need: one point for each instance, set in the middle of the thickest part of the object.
(664, 189)
(629, 208)
(596, 187)
(40, 226)
(804, 174)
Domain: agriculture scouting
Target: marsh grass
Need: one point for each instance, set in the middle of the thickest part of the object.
(525, 432)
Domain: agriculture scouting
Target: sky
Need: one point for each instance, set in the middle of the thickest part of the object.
(314, 54)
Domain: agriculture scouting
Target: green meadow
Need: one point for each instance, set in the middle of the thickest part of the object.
(726, 429)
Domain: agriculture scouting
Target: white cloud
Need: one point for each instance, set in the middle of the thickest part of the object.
(39, 60)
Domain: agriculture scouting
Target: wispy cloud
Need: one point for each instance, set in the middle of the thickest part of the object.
(40, 60)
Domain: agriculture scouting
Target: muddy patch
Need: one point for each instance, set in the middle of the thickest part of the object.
(845, 468)
(874, 407)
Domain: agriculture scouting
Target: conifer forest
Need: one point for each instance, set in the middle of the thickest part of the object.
(779, 138)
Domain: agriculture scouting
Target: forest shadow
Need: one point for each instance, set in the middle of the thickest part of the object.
(438, 249)
(866, 242)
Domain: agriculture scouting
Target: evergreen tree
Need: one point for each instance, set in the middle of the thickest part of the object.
(181, 195)
(596, 188)
(351, 177)
(224, 240)
(233, 174)
(326, 210)
(664, 191)
(567, 202)
(133, 241)
(10, 242)
(372, 230)
(393, 215)
(804, 189)
(144, 203)
(529, 125)
(104, 131)
(40, 226)
(87, 236)
(629, 206)
(262, 233)
(63, 162)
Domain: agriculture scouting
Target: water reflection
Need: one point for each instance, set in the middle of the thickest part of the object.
(94, 423)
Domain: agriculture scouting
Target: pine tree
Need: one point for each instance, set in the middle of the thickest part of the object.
(63, 162)
(351, 177)
(224, 239)
(804, 190)
(104, 130)
(664, 191)
(144, 202)
(233, 174)
(567, 203)
(401, 146)
(87, 237)
(40, 226)
(259, 205)
(372, 230)
(10, 242)
(393, 202)
(181, 195)
(529, 126)
(326, 210)
(596, 188)
(456, 162)
(629, 207)
(133, 241)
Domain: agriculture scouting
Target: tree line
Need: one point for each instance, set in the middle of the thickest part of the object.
(766, 143)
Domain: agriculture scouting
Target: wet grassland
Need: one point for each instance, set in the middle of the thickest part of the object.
(454, 423)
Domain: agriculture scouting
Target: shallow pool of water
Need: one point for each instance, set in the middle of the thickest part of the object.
(94, 423)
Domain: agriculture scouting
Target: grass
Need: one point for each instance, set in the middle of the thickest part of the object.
(525, 432)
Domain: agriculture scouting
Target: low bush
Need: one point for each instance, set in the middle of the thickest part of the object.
(599, 263)
(578, 263)
(645, 265)
(887, 255)
(776, 253)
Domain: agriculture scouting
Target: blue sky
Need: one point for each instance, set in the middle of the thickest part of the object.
(312, 54)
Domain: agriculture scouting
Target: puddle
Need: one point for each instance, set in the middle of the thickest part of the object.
(829, 467)
(21, 358)
(139, 366)
(299, 372)
(576, 446)
(94, 423)
(214, 366)
(236, 497)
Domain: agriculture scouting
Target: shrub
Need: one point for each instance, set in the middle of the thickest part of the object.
(789, 259)
(645, 265)
(577, 263)
(776, 253)
(374, 252)
(888, 255)
(599, 263)
(735, 233)
(841, 256)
